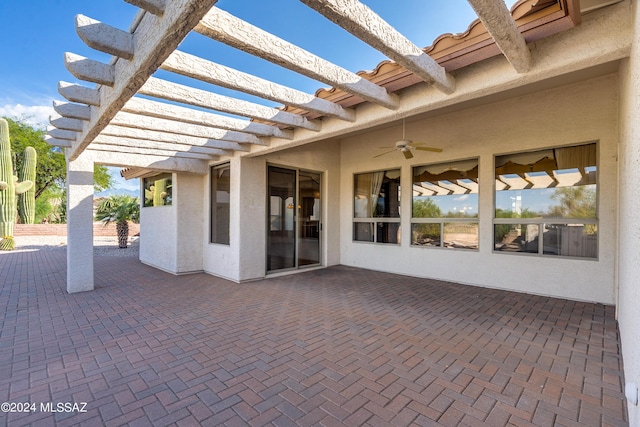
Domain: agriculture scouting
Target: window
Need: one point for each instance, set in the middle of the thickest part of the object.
(376, 207)
(157, 190)
(220, 212)
(546, 202)
(445, 205)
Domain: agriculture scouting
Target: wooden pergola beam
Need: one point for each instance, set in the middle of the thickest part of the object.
(164, 89)
(217, 74)
(172, 138)
(228, 29)
(153, 161)
(66, 123)
(78, 93)
(498, 21)
(72, 111)
(104, 38)
(61, 133)
(155, 38)
(364, 23)
(102, 144)
(155, 7)
(151, 108)
(138, 121)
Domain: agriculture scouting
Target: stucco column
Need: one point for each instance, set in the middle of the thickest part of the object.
(629, 223)
(80, 224)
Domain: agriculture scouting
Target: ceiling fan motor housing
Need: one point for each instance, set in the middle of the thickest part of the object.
(403, 144)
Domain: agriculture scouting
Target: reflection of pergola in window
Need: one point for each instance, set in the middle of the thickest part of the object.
(444, 179)
(560, 167)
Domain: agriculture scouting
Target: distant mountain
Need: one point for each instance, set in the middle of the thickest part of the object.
(117, 191)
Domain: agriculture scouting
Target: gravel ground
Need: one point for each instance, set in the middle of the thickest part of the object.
(102, 246)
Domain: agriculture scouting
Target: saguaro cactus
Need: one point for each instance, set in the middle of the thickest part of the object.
(27, 200)
(9, 187)
(160, 192)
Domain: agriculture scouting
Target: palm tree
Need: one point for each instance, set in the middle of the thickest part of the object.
(121, 210)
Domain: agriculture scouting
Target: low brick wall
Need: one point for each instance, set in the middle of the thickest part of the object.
(99, 229)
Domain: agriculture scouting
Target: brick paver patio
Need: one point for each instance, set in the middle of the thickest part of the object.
(339, 346)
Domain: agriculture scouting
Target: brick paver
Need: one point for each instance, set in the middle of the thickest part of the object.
(338, 346)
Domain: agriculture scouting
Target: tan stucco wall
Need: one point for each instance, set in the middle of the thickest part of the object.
(244, 258)
(158, 234)
(629, 229)
(171, 236)
(189, 189)
(580, 112)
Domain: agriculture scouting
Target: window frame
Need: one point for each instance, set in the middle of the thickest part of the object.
(541, 221)
(217, 239)
(443, 221)
(147, 182)
(377, 222)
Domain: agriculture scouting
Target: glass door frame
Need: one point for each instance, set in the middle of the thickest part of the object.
(297, 221)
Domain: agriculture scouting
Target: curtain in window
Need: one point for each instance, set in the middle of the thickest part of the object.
(374, 192)
(578, 157)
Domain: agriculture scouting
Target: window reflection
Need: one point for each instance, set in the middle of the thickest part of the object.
(546, 202)
(445, 191)
(376, 207)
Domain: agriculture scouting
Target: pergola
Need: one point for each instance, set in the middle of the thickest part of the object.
(128, 116)
(111, 119)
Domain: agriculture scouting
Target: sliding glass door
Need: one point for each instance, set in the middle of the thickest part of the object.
(293, 239)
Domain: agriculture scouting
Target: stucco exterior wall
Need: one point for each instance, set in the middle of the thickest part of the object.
(252, 220)
(581, 112)
(323, 157)
(244, 259)
(188, 190)
(158, 237)
(629, 229)
(171, 236)
(223, 260)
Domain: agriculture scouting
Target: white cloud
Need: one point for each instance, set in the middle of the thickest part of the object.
(34, 115)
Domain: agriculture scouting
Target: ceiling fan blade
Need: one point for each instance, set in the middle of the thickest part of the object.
(435, 150)
(407, 154)
(386, 152)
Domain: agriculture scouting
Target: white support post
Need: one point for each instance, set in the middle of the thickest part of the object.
(80, 224)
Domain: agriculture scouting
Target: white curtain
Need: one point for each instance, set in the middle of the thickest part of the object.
(375, 186)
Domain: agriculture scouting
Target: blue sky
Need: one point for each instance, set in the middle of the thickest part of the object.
(36, 33)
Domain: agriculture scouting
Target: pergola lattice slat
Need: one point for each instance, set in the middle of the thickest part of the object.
(155, 7)
(187, 115)
(141, 122)
(100, 145)
(217, 74)
(500, 24)
(89, 70)
(61, 133)
(149, 161)
(155, 38)
(159, 136)
(163, 89)
(66, 123)
(123, 141)
(364, 23)
(104, 38)
(228, 29)
(73, 111)
(78, 93)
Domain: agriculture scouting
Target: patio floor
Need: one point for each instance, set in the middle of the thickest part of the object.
(338, 346)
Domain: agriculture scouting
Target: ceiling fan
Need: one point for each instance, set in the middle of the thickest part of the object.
(405, 146)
